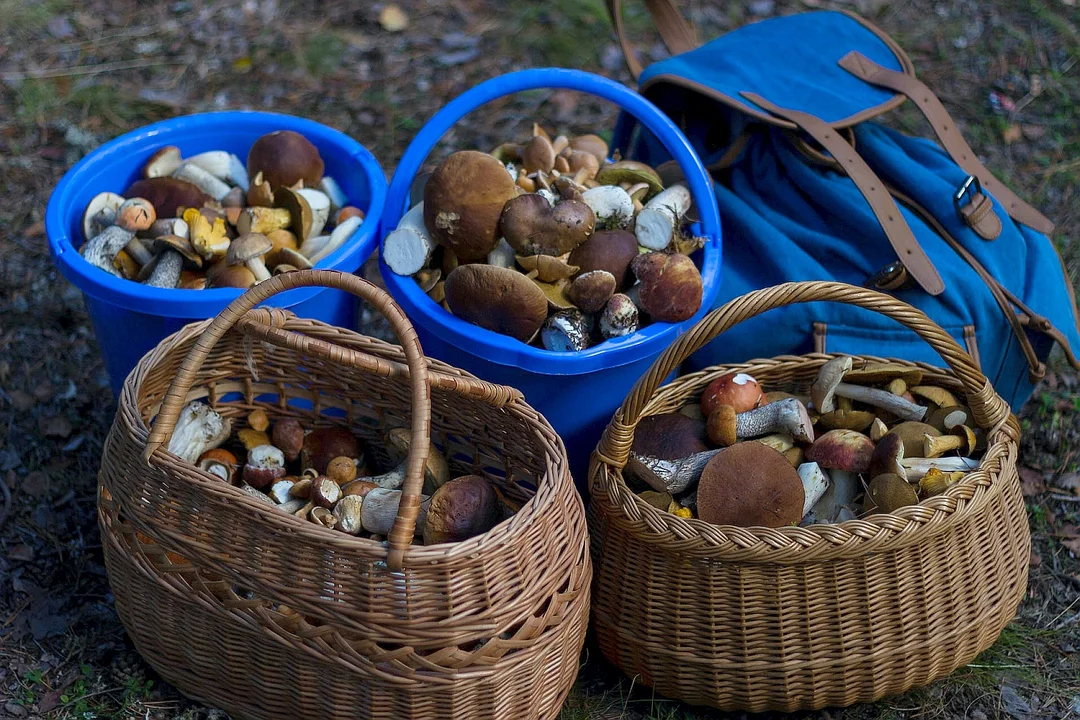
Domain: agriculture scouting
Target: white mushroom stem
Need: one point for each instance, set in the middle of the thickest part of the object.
(349, 514)
(610, 203)
(138, 250)
(320, 208)
(815, 482)
(258, 268)
(502, 256)
(238, 174)
(918, 467)
(101, 249)
(198, 429)
(551, 197)
(215, 162)
(841, 493)
(337, 238)
(203, 180)
(313, 245)
(883, 399)
(408, 248)
(380, 507)
(670, 476)
(166, 272)
(783, 416)
(333, 191)
(392, 480)
(168, 226)
(656, 223)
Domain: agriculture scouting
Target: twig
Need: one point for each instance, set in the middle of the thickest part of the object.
(7, 501)
(1067, 622)
(1059, 167)
(94, 69)
(106, 691)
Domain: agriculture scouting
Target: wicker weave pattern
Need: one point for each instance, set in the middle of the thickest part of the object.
(804, 618)
(490, 627)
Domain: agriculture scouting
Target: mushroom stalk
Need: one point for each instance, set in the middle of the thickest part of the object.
(883, 399)
(918, 467)
(786, 416)
(101, 249)
(670, 476)
(392, 480)
(333, 191)
(138, 250)
(815, 482)
(502, 256)
(203, 180)
(380, 507)
(408, 248)
(166, 272)
(198, 429)
(657, 221)
(840, 494)
(611, 204)
(337, 238)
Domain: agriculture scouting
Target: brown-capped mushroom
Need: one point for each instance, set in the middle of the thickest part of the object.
(325, 492)
(322, 445)
(436, 467)
(260, 194)
(498, 299)
(285, 158)
(462, 508)
(670, 287)
(669, 436)
(547, 268)
(887, 457)
(219, 462)
(221, 275)
(534, 227)
(842, 450)
(288, 436)
(739, 390)
(884, 372)
(888, 493)
(248, 250)
(265, 465)
(946, 418)
(592, 144)
(937, 395)
(591, 291)
(167, 194)
(830, 383)
(749, 484)
(538, 155)
(619, 318)
(609, 250)
(611, 205)
(726, 427)
(300, 215)
(463, 200)
(341, 470)
(380, 507)
(912, 433)
(960, 438)
(841, 419)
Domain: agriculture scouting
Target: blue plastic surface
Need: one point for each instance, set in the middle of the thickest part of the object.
(129, 319)
(577, 392)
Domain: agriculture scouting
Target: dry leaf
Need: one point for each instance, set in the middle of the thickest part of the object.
(1073, 546)
(393, 19)
(1068, 483)
(1031, 481)
(1034, 560)
(1012, 133)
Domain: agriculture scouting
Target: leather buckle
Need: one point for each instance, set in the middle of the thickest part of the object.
(893, 276)
(965, 189)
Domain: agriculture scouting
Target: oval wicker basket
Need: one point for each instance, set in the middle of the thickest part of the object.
(270, 616)
(805, 617)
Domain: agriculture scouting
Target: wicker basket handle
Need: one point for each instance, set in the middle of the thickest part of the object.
(988, 408)
(401, 534)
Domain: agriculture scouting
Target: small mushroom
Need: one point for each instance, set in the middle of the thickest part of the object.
(875, 373)
(670, 286)
(282, 240)
(232, 276)
(538, 155)
(300, 215)
(610, 250)
(629, 171)
(829, 384)
(359, 487)
(591, 291)
(611, 205)
(750, 485)
(102, 249)
(249, 250)
(592, 144)
(325, 492)
(100, 213)
(726, 426)
(842, 450)
(498, 299)
(887, 457)
(436, 467)
(198, 428)
(619, 318)
(265, 465)
(937, 395)
(341, 470)
(251, 438)
(348, 513)
(284, 158)
(961, 438)
(565, 331)
(889, 493)
(322, 516)
(935, 482)
(657, 223)
(380, 507)
(288, 435)
(669, 436)
(462, 508)
(219, 462)
(263, 220)
(163, 162)
(912, 433)
(319, 206)
(408, 248)
(533, 227)
(322, 445)
(739, 390)
(259, 193)
(463, 201)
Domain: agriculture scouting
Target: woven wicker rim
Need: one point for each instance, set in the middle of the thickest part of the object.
(991, 413)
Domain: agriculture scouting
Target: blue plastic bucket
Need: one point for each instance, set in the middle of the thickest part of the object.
(128, 318)
(577, 392)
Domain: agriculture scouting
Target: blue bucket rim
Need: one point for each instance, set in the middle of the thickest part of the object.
(504, 350)
(172, 302)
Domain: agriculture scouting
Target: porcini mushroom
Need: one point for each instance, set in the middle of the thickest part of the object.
(815, 483)
(498, 299)
(436, 467)
(656, 224)
(610, 204)
(288, 436)
(319, 205)
(219, 462)
(829, 384)
(284, 158)
(462, 508)
(619, 317)
(248, 250)
(300, 215)
(789, 416)
(407, 248)
(669, 436)
(629, 171)
(591, 291)
(610, 250)
(198, 428)
(533, 227)
(565, 331)
(842, 450)
(749, 484)
(380, 507)
(739, 390)
(167, 194)
(889, 493)
(670, 286)
(463, 200)
(887, 456)
(321, 445)
(265, 465)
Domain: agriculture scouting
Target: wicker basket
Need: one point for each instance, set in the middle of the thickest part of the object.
(487, 628)
(804, 618)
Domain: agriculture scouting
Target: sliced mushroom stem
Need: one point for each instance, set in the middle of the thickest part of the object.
(611, 204)
(407, 249)
(671, 476)
(337, 238)
(203, 180)
(883, 399)
(101, 249)
(918, 467)
(815, 482)
(380, 507)
(502, 256)
(167, 269)
(657, 221)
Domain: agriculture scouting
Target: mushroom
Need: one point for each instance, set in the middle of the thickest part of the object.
(669, 436)
(265, 465)
(463, 200)
(263, 220)
(163, 271)
(739, 390)
(658, 221)
(285, 158)
(839, 496)
(781, 442)
(341, 470)
(322, 445)
(102, 249)
(100, 213)
(338, 236)
(935, 482)
(322, 516)
(913, 434)
(610, 250)
(789, 416)
(248, 250)
(251, 438)
(670, 287)
(338, 200)
(359, 487)
(565, 331)
(210, 240)
(842, 450)
(873, 373)
(671, 476)
(436, 467)
(407, 249)
(937, 395)
(300, 215)
(282, 240)
(889, 493)
(281, 491)
(545, 268)
(829, 384)
(462, 508)
(887, 456)
(319, 206)
(259, 193)
(257, 419)
(219, 462)
(538, 155)
(918, 467)
(815, 483)
(878, 429)
(288, 435)
(961, 438)
(533, 227)
(348, 212)
(610, 204)
(629, 171)
(619, 318)
(231, 276)
(946, 418)
(167, 194)
(198, 428)
(215, 188)
(291, 259)
(325, 492)
(502, 255)
(174, 252)
(348, 513)
(498, 299)
(380, 507)
(841, 419)
(749, 484)
(163, 162)
(659, 500)
(591, 291)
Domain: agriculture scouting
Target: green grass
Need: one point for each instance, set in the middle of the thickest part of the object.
(571, 33)
(40, 101)
(322, 53)
(26, 17)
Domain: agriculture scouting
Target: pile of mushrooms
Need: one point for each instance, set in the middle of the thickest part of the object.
(867, 439)
(322, 475)
(550, 243)
(210, 221)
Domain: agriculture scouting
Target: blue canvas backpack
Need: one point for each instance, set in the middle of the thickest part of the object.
(810, 188)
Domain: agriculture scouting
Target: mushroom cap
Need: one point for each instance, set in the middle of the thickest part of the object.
(222, 275)
(548, 267)
(288, 435)
(463, 200)
(630, 171)
(248, 247)
(167, 194)
(299, 211)
(163, 162)
(670, 288)
(293, 257)
(538, 154)
(322, 445)
(829, 376)
(498, 299)
(592, 144)
(750, 484)
(670, 436)
(887, 455)
(739, 390)
(842, 450)
(136, 214)
(104, 203)
(533, 227)
(841, 419)
(890, 492)
(590, 291)
(946, 418)
(723, 426)
(912, 433)
(182, 246)
(285, 158)
(619, 318)
(610, 250)
(462, 508)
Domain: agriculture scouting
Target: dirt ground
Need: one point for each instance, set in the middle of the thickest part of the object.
(76, 74)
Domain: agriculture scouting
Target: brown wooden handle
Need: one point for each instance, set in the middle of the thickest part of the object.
(401, 534)
(677, 34)
(988, 408)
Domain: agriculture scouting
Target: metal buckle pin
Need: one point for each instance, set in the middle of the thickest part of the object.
(965, 189)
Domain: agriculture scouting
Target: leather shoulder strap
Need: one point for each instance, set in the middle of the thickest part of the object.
(677, 34)
(873, 189)
(947, 133)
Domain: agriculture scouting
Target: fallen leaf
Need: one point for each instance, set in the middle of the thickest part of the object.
(35, 230)
(1031, 481)
(1034, 560)
(49, 701)
(1015, 705)
(21, 553)
(1068, 483)
(1012, 134)
(1033, 132)
(393, 19)
(58, 426)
